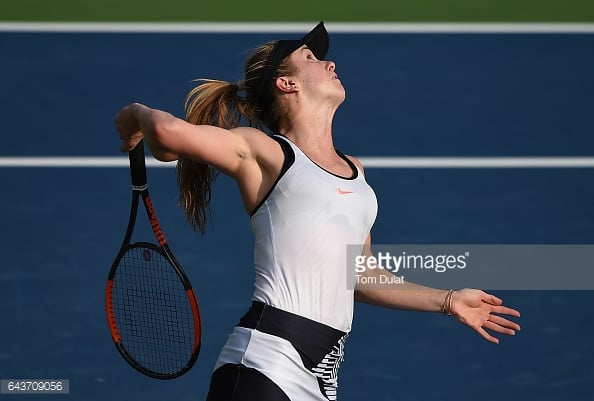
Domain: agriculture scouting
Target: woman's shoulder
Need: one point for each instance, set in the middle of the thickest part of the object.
(250, 133)
(262, 145)
(254, 136)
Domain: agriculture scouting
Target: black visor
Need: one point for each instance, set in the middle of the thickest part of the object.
(317, 41)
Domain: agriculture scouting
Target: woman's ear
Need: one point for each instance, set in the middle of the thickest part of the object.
(286, 84)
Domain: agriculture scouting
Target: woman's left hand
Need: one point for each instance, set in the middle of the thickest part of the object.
(480, 311)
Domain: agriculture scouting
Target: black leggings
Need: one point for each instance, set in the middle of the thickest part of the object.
(238, 383)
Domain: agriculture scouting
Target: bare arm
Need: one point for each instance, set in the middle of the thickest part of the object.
(405, 295)
(474, 308)
(402, 296)
(171, 138)
(248, 155)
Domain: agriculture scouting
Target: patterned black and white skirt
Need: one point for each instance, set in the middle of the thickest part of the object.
(276, 355)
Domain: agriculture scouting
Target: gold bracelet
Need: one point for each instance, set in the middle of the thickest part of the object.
(445, 302)
(446, 307)
(450, 303)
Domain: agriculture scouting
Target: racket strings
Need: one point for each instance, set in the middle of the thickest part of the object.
(152, 311)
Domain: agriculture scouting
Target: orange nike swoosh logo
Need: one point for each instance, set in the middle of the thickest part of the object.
(342, 192)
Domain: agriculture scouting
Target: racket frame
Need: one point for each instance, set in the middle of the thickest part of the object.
(140, 191)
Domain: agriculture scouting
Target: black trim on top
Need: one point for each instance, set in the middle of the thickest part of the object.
(354, 168)
(350, 163)
(287, 163)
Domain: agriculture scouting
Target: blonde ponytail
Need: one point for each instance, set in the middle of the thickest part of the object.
(211, 103)
(219, 103)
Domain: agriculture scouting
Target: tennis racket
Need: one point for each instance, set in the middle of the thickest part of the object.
(152, 311)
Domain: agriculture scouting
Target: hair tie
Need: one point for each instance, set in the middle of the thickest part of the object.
(241, 86)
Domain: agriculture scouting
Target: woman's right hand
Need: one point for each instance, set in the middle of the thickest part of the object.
(127, 125)
(480, 311)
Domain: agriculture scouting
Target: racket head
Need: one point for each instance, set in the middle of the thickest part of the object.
(152, 311)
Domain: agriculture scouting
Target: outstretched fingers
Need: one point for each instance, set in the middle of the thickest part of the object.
(496, 324)
(486, 335)
(499, 324)
(504, 310)
(485, 312)
(505, 324)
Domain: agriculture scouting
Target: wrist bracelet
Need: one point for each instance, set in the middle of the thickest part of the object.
(446, 308)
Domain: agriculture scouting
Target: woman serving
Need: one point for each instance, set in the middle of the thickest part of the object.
(306, 201)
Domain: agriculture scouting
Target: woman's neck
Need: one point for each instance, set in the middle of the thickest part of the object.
(310, 130)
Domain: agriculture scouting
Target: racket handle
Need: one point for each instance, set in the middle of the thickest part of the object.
(137, 165)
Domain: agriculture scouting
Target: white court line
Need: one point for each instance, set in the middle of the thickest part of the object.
(74, 162)
(368, 162)
(477, 162)
(277, 27)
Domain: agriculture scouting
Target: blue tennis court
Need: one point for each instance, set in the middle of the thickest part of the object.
(408, 94)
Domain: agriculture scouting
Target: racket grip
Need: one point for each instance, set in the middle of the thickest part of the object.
(137, 165)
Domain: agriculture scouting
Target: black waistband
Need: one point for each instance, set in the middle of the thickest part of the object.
(313, 340)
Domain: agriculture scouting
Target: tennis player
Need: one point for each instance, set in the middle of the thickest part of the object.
(306, 201)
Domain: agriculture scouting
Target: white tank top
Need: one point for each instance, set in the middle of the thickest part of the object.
(302, 229)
